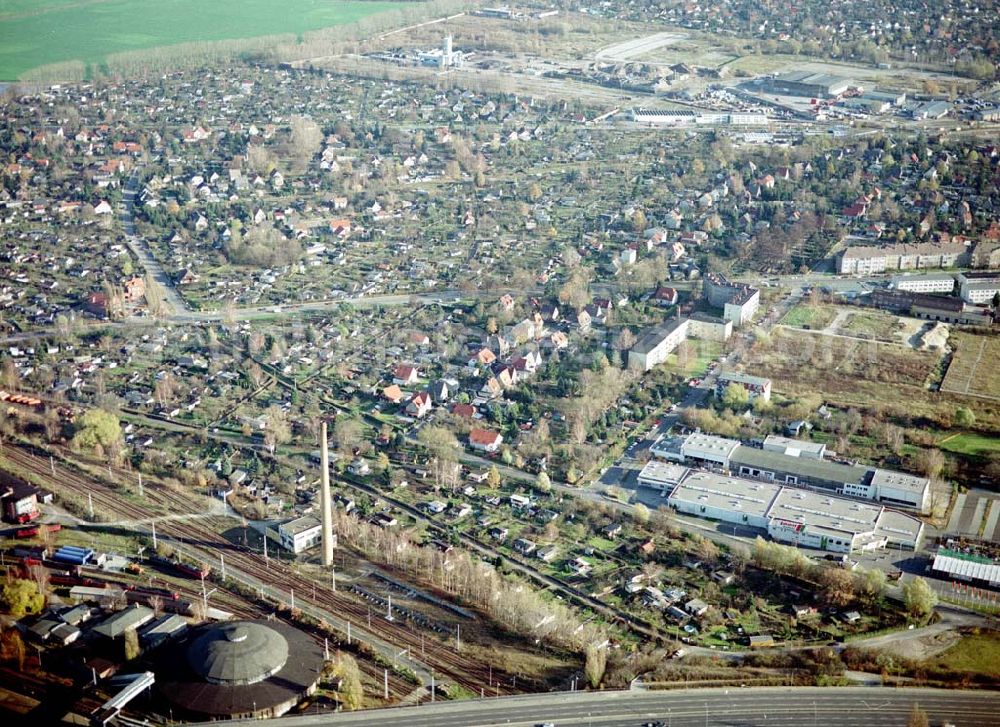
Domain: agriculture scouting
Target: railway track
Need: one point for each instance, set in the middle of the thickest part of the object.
(436, 656)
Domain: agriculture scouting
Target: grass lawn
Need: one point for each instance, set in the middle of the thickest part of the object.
(809, 316)
(41, 32)
(879, 326)
(701, 354)
(977, 445)
(599, 543)
(978, 653)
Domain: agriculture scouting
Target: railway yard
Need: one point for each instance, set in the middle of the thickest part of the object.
(420, 639)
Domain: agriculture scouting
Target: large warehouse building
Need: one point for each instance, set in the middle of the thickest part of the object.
(795, 516)
(239, 670)
(779, 462)
(813, 85)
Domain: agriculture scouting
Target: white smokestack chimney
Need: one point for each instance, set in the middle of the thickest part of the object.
(325, 504)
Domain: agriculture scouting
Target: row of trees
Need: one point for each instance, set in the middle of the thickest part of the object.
(841, 586)
(509, 601)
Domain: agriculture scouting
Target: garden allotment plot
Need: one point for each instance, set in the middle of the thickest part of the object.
(36, 33)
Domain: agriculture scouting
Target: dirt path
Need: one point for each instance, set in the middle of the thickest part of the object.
(832, 326)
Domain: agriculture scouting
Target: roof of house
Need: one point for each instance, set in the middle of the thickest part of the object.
(654, 336)
(463, 410)
(738, 378)
(404, 372)
(483, 436)
(862, 252)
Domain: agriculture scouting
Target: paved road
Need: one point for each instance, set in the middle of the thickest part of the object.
(792, 706)
(140, 248)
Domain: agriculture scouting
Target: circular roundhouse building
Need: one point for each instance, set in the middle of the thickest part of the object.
(239, 669)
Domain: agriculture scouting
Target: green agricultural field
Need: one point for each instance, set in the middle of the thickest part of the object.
(36, 33)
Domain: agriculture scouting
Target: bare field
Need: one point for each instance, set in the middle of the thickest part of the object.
(865, 374)
(871, 324)
(857, 371)
(699, 54)
(973, 369)
(601, 97)
(902, 78)
(632, 49)
(566, 36)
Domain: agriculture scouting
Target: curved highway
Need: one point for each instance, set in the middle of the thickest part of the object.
(734, 707)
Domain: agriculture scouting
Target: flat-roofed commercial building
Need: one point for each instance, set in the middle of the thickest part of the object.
(794, 462)
(799, 517)
(729, 499)
(708, 449)
(899, 488)
(668, 447)
(820, 474)
(794, 447)
(855, 480)
(686, 117)
(696, 448)
(661, 475)
(824, 522)
(807, 83)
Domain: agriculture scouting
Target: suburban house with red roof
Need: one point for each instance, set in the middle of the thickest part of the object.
(484, 440)
(405, 375)
(419, 405)
(393, 394)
